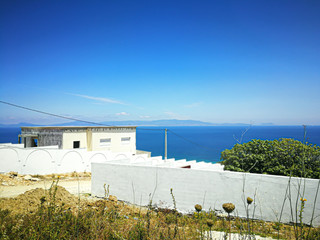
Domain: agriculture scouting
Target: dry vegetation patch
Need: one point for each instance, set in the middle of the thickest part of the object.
(15, 179)
(57, 214)
(30, 201)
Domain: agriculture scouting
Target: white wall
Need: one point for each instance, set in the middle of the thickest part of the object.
(210, 188)
(42, 160)
(70, 137)
(116, 144)
(20, 145)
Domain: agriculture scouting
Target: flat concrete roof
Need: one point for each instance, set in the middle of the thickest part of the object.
(75, 127)
(27, 135)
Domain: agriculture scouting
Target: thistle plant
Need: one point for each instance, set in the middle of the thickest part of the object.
(249, 201)
(302, 200)
(229, 207)
(198, 208)
(210, 224)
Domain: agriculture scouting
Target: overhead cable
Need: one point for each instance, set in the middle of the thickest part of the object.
(52, 114)
(100, 124)
(188, 140)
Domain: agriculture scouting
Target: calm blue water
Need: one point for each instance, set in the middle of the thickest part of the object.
(207, 142)
(9, 135)
(213, 140)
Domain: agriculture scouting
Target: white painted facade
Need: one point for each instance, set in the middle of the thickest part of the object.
(117, 140)
(75, 149)
(70, 138)
(51, 159)
(98, 138)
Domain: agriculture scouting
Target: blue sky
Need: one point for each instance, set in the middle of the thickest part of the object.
(216, 61)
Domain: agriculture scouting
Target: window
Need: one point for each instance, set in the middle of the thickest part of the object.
(125, 140)
(76, 144)
(105, 142)
(33, 142)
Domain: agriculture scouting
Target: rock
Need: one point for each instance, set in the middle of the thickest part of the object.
(27, 177)
(30, 178)
(222, 215)
(13, 174)
(113, 198)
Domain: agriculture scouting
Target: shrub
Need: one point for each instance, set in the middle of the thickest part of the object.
(285, 156)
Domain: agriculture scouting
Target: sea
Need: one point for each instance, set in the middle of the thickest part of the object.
(206, 143)
(201, 143)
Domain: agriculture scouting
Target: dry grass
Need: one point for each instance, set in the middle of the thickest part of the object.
(13, 178)
(57, 214)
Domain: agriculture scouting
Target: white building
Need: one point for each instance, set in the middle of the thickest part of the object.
(46, 150)
(98, 138)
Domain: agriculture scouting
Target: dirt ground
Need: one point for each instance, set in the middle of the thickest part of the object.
(22, 193)
(13, 184)
(25, 193)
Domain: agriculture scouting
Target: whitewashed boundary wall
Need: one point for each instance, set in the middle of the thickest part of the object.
(47, 160)
(137, 184)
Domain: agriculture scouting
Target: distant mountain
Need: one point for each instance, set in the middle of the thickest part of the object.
(75, 123)
(232, 124)
(266, 124)
(168, 122)
(164, 122)
(17, 125)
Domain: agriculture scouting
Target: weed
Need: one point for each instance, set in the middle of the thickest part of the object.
(175, 214)
(229, 207)
(105, 219)
(106, 191)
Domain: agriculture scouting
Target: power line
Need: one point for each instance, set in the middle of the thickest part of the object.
(151, 129)
(52, 114)
(182, 137)
(69, 118)
(100, 124)
(188, 140)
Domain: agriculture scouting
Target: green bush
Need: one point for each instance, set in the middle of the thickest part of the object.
(285, 156)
